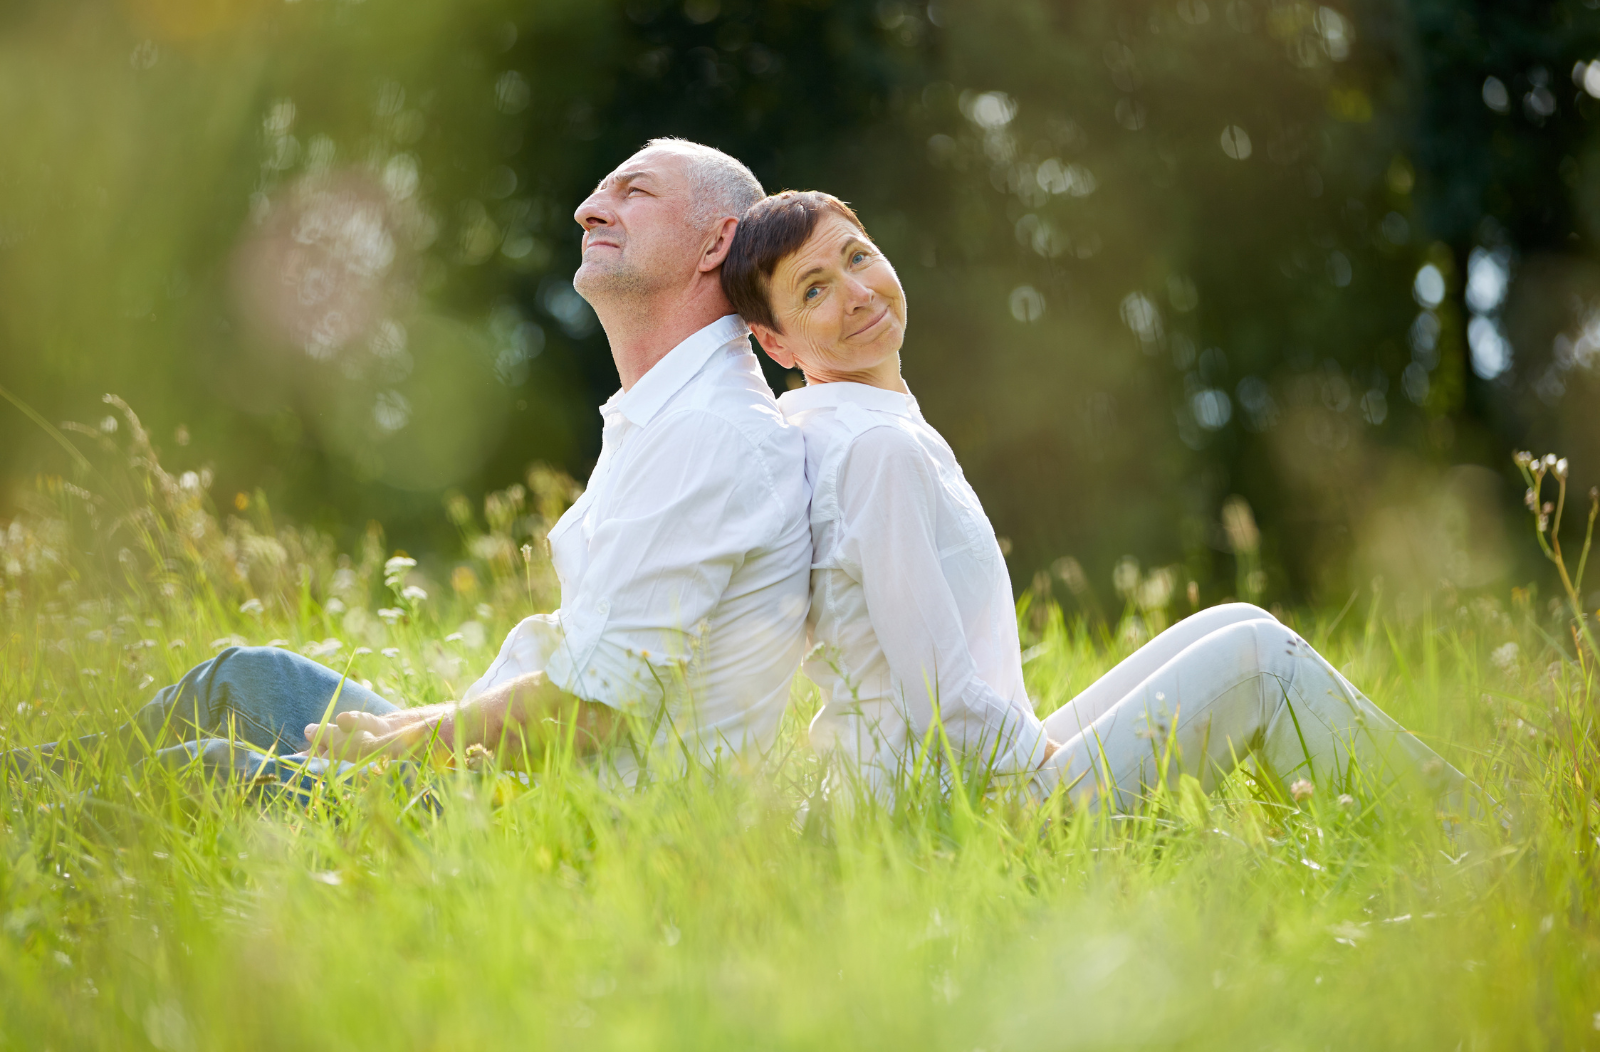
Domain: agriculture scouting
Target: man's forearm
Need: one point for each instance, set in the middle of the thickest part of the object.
(515, 720)
(520, 716)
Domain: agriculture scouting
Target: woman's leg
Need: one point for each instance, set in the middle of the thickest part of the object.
(259, 696)
(1076, 715)
(1254, 687)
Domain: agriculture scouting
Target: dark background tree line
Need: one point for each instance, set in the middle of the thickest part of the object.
(1335, 260)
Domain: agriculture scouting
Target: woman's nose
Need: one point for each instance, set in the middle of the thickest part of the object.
(858, 293)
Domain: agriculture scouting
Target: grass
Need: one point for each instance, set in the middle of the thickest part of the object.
(163, 911)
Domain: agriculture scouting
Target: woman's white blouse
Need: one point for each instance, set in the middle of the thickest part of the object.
(911, 607)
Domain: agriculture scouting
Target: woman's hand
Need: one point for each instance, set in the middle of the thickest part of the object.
(1050, 749)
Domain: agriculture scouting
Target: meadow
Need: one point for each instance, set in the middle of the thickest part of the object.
(143, 907)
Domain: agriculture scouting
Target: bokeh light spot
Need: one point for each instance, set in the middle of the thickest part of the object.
(1428, 288)
(1027, 303)
(1495, 95)
(1236, 142)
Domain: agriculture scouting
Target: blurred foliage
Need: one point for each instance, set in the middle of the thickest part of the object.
(1319, 265)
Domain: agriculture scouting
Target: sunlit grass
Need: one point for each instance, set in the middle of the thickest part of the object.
(146, 907)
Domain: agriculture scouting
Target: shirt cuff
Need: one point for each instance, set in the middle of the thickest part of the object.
(1022, 747)
(613, 676)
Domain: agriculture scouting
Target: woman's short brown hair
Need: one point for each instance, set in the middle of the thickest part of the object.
(772, 229)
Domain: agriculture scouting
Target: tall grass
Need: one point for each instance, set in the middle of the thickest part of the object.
(144, 907)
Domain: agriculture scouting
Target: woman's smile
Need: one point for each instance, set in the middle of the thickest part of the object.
(879, 318)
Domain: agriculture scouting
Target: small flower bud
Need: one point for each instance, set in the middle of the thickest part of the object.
(1531, 499)
(1549, 461)
(1301, 790)
(1346, 800)
(1547, 508)
(1522, 458)
(1561, 469)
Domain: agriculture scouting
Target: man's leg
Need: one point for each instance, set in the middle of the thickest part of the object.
(1252, 687)
(260, 696)
(1096, 699)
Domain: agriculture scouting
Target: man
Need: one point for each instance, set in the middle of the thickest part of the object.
(684, 567)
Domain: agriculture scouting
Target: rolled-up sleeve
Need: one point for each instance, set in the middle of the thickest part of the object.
(682, 515)
(888, 505)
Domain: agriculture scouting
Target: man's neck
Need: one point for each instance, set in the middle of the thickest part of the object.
(643, 330)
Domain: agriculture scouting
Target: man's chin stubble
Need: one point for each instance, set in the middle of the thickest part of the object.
(619, 281)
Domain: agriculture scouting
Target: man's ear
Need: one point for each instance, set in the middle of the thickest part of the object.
(717, 248)
(774, 344)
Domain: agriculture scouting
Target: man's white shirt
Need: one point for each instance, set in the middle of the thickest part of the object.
(684, 565)
(911, 608)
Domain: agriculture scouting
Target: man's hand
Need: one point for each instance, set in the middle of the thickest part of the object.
(355, 736)
(515, 719)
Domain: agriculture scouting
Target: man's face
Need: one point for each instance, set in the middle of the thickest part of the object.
(637, 231)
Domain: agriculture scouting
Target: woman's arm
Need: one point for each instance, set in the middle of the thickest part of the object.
(888, 500)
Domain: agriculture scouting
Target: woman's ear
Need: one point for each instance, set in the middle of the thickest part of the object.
(774, 344)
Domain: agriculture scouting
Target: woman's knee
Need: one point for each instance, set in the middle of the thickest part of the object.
(1261, 644)
(1235, 612)
(1216, 618)
(1278, 648)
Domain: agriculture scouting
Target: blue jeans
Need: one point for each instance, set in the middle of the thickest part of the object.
(241, 714)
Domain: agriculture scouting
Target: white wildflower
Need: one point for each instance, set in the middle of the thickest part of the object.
(395, 570)
(1505, 657)
(326, 648)
(472, 634)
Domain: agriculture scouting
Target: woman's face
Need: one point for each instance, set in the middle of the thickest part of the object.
(841, 308)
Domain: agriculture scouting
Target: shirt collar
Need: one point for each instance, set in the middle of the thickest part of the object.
(680, 365)
(833, 395)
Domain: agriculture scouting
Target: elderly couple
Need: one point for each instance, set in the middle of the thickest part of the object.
(720, 528)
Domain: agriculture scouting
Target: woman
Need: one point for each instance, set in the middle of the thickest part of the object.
(911, 611)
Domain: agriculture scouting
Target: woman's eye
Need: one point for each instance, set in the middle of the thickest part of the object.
(812, 293)
(858, 257)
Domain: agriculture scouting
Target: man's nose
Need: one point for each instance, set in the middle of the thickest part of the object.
(592, 213)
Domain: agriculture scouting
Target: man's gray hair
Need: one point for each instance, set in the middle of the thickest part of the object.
(722, 185)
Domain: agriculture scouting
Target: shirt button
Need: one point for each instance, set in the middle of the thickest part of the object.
(603, 606)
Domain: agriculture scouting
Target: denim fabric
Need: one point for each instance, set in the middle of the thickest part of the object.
(260, 695)
(228, 711)
(294, 777)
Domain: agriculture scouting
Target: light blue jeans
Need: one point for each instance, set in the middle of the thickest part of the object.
(241, 715)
